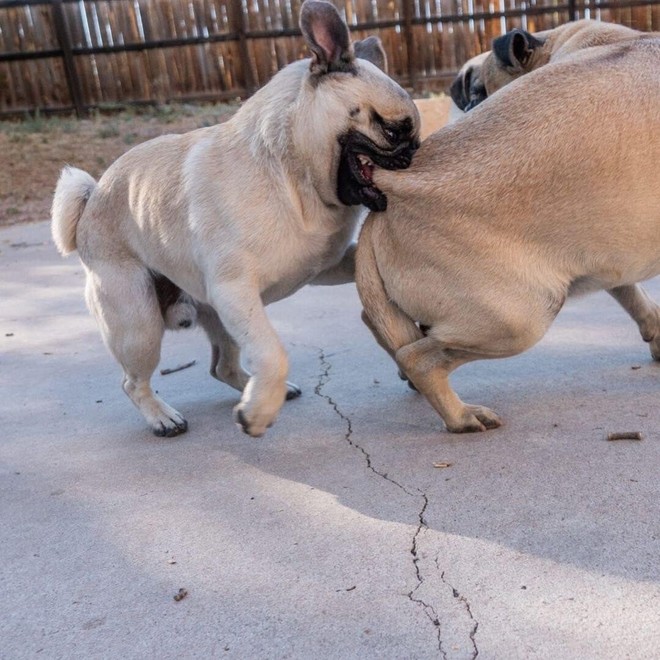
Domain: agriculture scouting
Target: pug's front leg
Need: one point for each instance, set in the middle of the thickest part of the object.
(238, 304)
(342, 272)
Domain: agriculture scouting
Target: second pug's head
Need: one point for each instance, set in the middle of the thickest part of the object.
(351, 116)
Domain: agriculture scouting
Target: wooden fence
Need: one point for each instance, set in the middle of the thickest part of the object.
(62, 55)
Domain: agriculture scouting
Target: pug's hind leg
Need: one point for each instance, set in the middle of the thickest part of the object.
(428, 364)
(123, 300)
(384, 345)
(644, 311)
(226, 355)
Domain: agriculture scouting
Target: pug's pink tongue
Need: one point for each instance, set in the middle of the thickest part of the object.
(366, 167)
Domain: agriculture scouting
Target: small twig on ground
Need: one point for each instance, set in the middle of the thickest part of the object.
(625, 435)
(442, 465)
(180, 595)
(181, 367)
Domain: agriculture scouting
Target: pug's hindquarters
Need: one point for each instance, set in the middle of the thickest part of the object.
(555, 213)
(398, 291)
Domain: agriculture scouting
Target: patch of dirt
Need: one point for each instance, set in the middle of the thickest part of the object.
(35, 150)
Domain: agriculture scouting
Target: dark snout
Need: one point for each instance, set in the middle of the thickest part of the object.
(457, 91)
(360, 155)
(397, 158)
(467, 91)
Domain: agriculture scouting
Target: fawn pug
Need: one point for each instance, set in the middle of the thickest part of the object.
(518, 52)
(548, 188)
(236, 216)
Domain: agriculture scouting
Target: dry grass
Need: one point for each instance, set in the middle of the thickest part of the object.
(36, 149)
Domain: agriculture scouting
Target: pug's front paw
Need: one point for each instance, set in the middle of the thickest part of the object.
(253, 422)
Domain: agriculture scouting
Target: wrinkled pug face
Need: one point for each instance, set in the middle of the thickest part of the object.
(373, 120)
(468, 90)
(515, 53)
(389, 144)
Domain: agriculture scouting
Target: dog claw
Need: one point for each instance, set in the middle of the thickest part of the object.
(163, 431)
(655, 349)
(475, 420)
(292, 391)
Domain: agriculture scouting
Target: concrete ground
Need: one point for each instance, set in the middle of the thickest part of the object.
(334, 536)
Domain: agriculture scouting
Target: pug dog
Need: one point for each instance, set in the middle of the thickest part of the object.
(237, 216)
(547, 189)
(518, 52)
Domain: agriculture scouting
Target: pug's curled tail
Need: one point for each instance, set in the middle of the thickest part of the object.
(73, 189)
(390, 325)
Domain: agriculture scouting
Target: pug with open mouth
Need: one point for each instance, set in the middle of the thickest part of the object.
(221, 221)
(547, 189)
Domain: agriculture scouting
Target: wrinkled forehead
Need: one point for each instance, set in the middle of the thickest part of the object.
(474, 63)
(376, 91)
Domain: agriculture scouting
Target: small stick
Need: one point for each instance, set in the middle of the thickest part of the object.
(625, 435)
(181, 594)
(442, 465)
(181, 367)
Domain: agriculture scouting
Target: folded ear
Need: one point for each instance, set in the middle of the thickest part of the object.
(371, 49)
(327, 36)
(514, 49)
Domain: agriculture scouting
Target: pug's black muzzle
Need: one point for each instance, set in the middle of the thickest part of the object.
(359, 156)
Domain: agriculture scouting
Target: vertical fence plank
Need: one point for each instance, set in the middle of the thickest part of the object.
(239, 22)
(410, 42)
(64, 38)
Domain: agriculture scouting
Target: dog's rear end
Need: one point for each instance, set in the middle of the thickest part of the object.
(506, 213)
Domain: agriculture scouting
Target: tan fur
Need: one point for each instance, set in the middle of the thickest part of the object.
(548, 188)
(73, 189)
(237, 216)
(558, 43)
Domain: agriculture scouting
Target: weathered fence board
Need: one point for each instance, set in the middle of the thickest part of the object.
(80, 54)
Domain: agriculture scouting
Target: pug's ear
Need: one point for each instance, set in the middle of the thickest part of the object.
(327, 36)
(514, 49)
(371, 49)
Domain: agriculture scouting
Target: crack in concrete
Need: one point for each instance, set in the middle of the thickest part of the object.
(428, 609)
(318, 390)
(466, 603)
